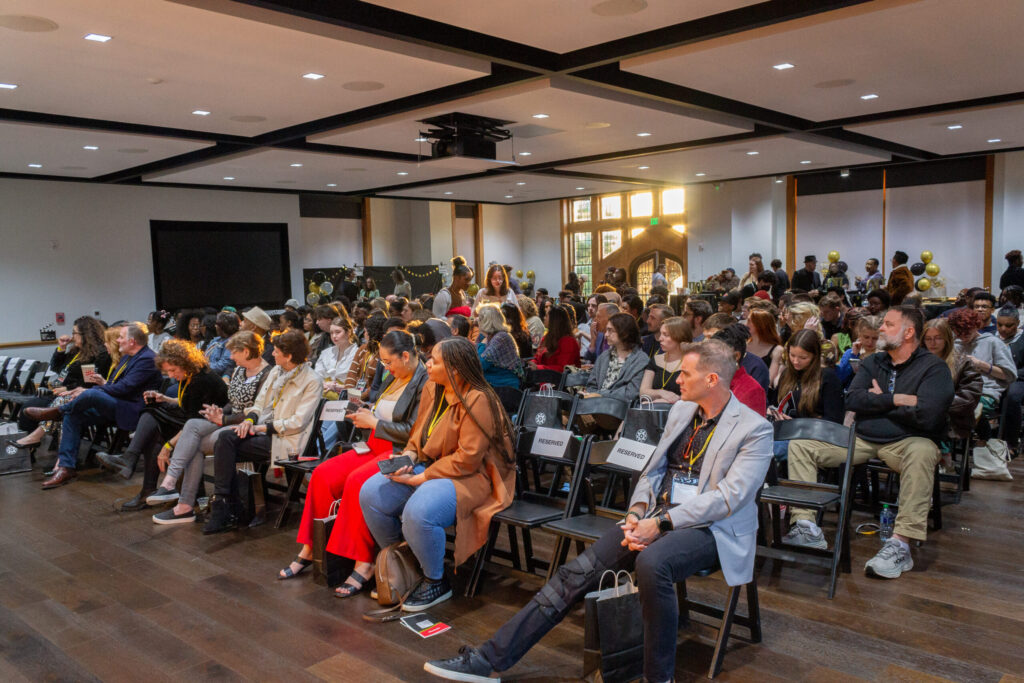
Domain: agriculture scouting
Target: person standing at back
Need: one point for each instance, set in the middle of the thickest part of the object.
(901, 280)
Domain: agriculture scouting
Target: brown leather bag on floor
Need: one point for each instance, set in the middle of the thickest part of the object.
(397, 575)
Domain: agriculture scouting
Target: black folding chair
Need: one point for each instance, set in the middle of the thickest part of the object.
(535, 379)
(599, 415)
(29, 388)
(816, 496)
(573, 380)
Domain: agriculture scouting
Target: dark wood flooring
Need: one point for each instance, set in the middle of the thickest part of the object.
(87, 593)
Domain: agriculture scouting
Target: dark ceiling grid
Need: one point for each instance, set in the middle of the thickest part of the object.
(515, 63)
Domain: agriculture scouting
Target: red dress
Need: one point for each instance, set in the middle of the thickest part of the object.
(567, 353)
(341, 477)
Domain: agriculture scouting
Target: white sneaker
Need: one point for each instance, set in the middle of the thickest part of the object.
(806, 537)
(891, 561)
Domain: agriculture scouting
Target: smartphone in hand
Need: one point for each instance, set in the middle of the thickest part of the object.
(392, 465)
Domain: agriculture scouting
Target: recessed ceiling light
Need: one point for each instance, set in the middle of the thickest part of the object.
(525, 154)
(643, 168)
(955, 126)
(995, 140)
(201, 112)
(421, 140)
(701, 175)
(806, 161)
(521, 182)
(783, 66)
(312, 76)
(540, 116)
(35, 165)
(869, 96)
(508, 196)
(403, 173)
(643, 135)
(449, 192)
(7, 86)
(97, 37)
(778, 179)
(90, 147)
(296, 165)
(332, 184)
(845, 173)
(752, 153)
(580, 188)
(229, 177)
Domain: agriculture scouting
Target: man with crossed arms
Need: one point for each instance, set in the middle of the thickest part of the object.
(693, 508)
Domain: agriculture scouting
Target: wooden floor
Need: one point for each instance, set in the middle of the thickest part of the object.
(87, 593)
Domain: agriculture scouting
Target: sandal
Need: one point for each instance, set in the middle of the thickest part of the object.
(347, 590)
(287, 572)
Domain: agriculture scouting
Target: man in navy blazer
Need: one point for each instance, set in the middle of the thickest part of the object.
(117, 400)
(694, 508)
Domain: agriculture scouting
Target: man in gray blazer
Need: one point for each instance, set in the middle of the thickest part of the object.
(694, 507)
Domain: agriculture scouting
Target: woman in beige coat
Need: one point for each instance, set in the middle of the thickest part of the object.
(463, 472)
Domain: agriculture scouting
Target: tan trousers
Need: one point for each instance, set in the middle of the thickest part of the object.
(914, 458)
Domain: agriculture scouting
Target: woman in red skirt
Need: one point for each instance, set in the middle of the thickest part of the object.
(389, 419)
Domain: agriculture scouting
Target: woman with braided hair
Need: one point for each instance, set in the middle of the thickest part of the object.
(463, 471)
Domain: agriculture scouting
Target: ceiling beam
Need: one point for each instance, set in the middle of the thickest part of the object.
(58, 120)
(914, 112)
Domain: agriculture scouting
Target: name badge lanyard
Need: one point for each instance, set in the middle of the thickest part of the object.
(438, 415)
(182, 388)
(690, 457)
(120, 369)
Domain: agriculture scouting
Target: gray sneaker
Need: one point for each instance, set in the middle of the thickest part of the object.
(804, 537)
(468, 665)
(116, 463)
(891, 561)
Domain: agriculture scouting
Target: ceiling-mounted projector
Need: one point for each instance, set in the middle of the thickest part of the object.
(465, 135)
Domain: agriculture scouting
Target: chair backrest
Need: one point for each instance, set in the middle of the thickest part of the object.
(549, 409)
(536, 378)
(511, 400)
(15, 380)
(564, 469)
(10, 374)
(598, 476)
(599, 415)
(34, 376)
(813, 429)
(573, 379)
(315, 446)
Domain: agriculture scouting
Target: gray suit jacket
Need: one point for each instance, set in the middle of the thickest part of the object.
(627, 386)
(734, 468)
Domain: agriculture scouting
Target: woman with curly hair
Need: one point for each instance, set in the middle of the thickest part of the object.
(84, 346)
(193, 386)
(989, 356)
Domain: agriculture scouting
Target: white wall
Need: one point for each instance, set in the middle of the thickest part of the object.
(542, 249)
(329, 242)
(441, 217)
(709, 230)
(503, 235)
(849, 222)
(752, 220)
(103, 259)
(1007, 210)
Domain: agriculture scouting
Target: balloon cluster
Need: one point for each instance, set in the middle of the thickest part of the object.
(316, 290)
(833, 257)
(926, 272)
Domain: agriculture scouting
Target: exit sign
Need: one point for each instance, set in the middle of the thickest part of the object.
(654, 221)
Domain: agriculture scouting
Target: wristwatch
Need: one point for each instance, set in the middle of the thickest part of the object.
(664, 523)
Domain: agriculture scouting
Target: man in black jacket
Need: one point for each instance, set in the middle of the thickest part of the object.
(901, 399)
(808, 278)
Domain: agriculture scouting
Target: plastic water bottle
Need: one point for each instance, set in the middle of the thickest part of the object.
(885, 523)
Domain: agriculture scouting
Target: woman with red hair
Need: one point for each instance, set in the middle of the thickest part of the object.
(765, 341)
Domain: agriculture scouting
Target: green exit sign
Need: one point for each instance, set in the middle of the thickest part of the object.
(654, 221)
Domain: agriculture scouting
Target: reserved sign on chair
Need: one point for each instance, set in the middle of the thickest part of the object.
(333, 411)
(631, 454)
(550, 443)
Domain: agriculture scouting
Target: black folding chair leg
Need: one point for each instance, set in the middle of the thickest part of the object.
(513, 548)
(754, 610)
(723, 633)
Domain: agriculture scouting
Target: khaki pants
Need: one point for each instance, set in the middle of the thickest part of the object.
(914, 458)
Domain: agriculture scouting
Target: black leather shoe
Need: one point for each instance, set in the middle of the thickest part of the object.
(117, 463)
(221, 519)
(136, 503)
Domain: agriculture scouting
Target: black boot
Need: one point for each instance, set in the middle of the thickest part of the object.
(221, 518)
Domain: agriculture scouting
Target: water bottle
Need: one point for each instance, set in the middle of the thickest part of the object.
(885, 522)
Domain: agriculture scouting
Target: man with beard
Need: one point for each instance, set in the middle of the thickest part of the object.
(901, 399)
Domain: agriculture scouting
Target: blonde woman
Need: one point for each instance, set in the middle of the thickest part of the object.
(533, 322)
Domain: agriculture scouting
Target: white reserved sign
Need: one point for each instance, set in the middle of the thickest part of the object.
(333, 411)
(631, 454)
(550, 443)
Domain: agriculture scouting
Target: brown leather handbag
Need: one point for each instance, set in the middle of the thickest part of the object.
(397, 575)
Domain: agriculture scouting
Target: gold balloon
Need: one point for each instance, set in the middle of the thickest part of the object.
(327, 288)
(473, 289)
(926, 257)
(530, 274)
(519, 273)
(932, 269)
(833, 256)
(924, 284)
(314, 288)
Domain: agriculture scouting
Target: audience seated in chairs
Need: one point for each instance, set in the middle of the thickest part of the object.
(85, 346)
(598, 325)
(650, 342)
(498, 352)
(517, 328)
(199, 435)
(1008, 323)
(864, 342)
(618, 371)
(990, 356)
(901, 399)
(559, 347)
(765, 342)
(464, 471)
(218, 355)
(336, 360)
(278, 423)
(156, 322)
(495, 289)
(534, 324)
(160, 425)
(752, 364)
(257, 321)
(117, 401)
(386, 425)
(744, 387)
(967, 384)
(659, 382)
(693, 509)
(695, 312)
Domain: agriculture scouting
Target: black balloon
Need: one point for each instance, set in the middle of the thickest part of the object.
(842, 265)
(917, 268)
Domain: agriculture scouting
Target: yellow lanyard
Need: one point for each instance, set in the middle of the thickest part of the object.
(438, 414)
(182, 388)
(664, 381)
(393, 387)
(72, 361)
(121, 368)
(690, 458)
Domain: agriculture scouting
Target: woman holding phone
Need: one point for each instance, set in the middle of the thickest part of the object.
(389, 421)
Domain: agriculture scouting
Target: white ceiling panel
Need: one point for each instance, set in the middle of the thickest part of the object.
(907, 52)
(274, 169)
(955, 132)
(738, 160)
(564, 25)
(166, 60)
(62, 151)
(511, 189)
(577, 122)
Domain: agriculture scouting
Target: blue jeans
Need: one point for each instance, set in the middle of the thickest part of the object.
(92, 407)
(420, 514)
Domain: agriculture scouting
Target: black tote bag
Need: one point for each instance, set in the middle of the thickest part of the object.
(613, 631)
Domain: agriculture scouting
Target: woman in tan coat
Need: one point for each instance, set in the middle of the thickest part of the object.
(463, 472)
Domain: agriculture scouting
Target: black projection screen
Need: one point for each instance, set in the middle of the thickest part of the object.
(200, 263)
